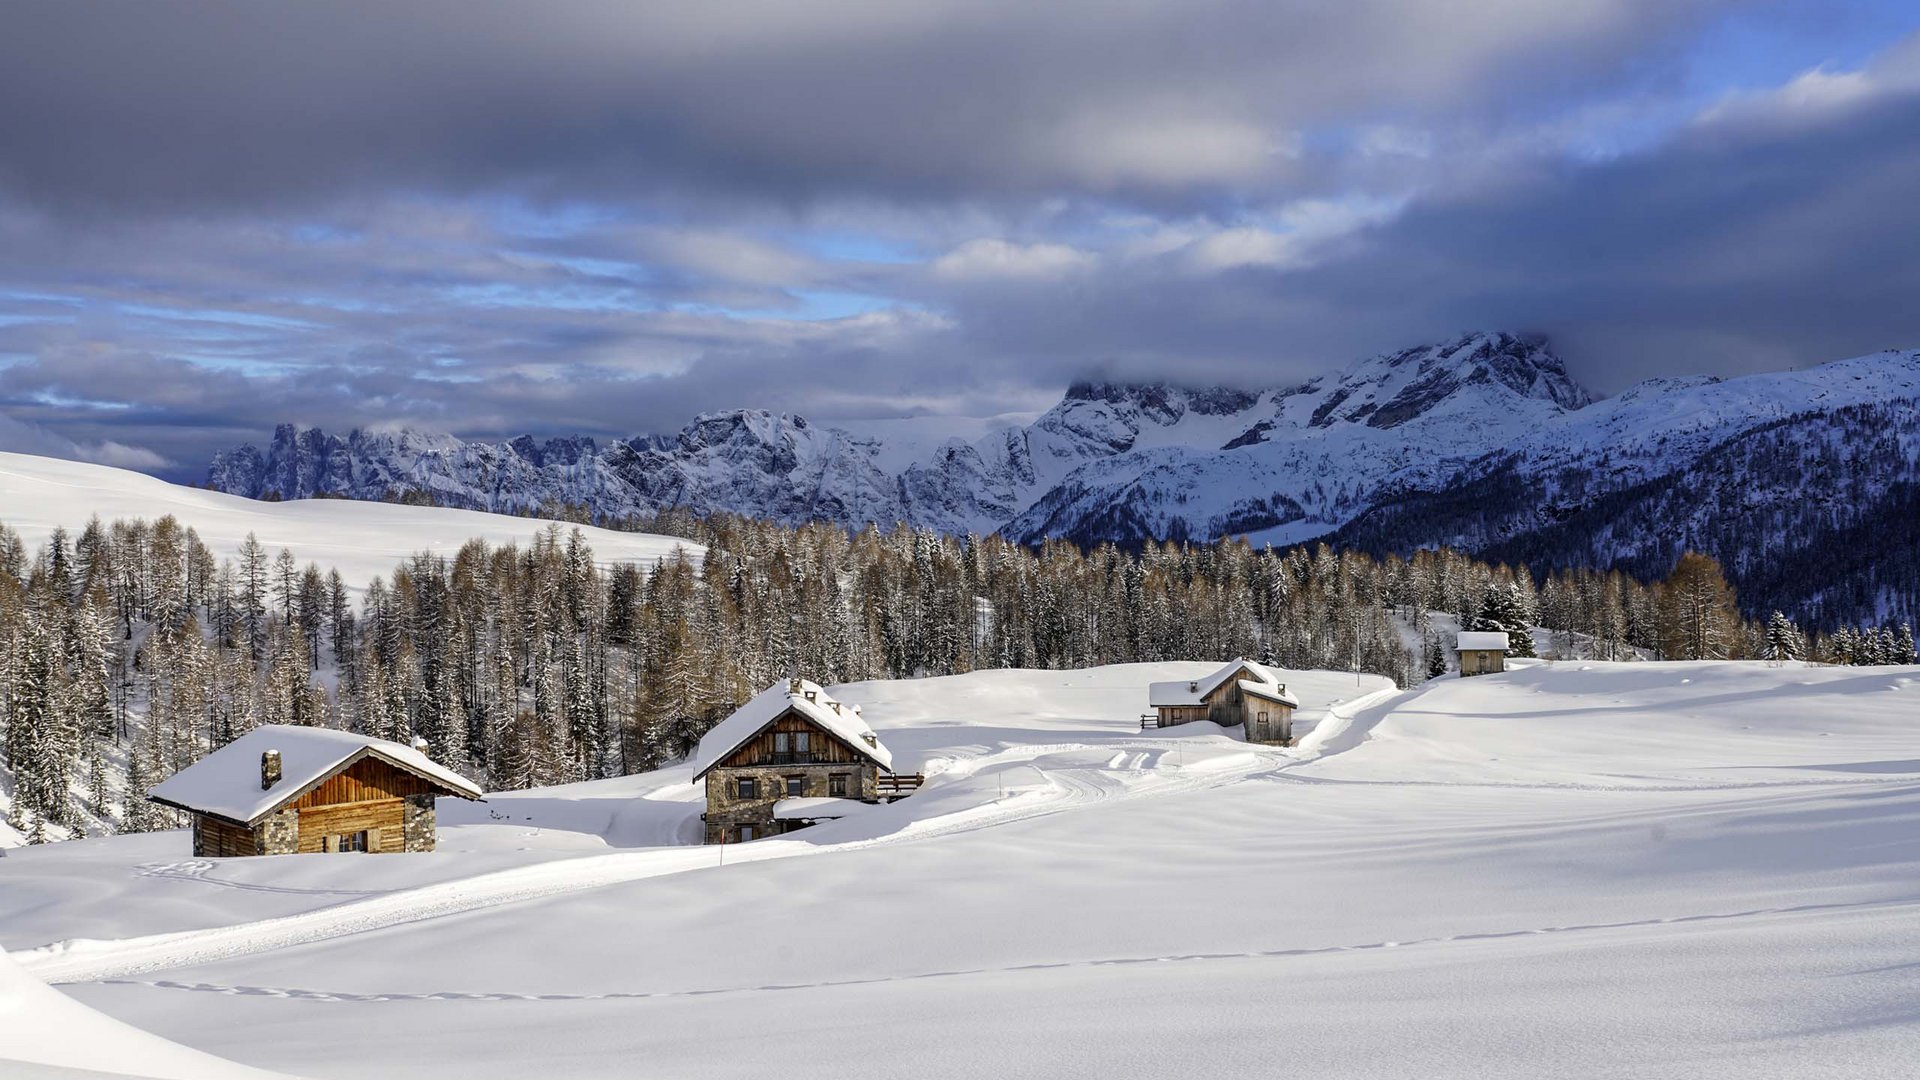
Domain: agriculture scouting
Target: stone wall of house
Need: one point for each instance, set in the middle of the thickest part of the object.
(726, 809)
(280, 832)
(418, 823)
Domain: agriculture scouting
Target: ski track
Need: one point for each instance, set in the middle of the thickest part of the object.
(1266, 954)
(1068, 788)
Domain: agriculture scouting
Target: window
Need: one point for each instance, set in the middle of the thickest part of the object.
(353, 841)
(796, 785)
(743, 833)
(1263, 719)
(837, 784)
(802, 750)
(749, 788)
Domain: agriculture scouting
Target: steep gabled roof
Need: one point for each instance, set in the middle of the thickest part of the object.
(1481, 639)
(1269, 691)
(226, 783)
(799, 696)
(1194, 691)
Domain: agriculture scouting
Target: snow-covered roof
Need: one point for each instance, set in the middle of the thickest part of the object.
(803, 697)
(1481, 639)
(1270, 692)
(1195, 691)
(816, 807)
(226, 783)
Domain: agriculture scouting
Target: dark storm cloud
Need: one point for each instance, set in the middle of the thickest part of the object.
(211, 105)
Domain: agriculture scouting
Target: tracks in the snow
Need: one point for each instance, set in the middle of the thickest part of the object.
(1068, 786)
(300, 994)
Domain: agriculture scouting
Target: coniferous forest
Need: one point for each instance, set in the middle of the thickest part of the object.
(131, 649)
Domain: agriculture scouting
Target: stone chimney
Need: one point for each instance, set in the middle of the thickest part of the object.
(793, 685)
(1193, 688)
(420, 744)
(269, 769)
(872, 739)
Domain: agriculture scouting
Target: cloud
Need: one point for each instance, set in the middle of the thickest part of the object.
(212, 224)
(210, 105)
(17, 437)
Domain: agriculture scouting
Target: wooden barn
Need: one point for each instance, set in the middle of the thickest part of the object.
(1242, 693)
(1481, 652)
(788, 758)
(280, 790)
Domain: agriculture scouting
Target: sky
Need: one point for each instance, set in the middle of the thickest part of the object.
(606, 217)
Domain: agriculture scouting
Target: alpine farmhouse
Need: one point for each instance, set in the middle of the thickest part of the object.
(786, 759)
(1243, 692)
(280, 790)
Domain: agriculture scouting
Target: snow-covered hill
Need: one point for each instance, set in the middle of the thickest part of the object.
(1648, 869)
(360, 539)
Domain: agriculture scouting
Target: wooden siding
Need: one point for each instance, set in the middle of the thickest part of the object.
(213, 838)
(384, 817)
(824, 748)
(364, 781)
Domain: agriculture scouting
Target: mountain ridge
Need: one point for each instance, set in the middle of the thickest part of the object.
(1340, 456)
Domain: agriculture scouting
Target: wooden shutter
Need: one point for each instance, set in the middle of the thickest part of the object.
(373, 840)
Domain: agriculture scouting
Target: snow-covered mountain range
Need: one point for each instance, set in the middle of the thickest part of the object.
(1242, 453)
(1347, 454)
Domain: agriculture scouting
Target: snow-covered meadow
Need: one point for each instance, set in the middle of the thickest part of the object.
(1575, 869)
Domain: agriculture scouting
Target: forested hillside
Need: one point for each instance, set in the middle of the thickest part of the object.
(131, 649)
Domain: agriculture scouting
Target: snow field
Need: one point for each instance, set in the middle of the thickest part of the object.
(1571, 869)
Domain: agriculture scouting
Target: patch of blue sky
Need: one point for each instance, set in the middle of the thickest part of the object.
(554, 221)
(20, 296)
(1754, 49)
(321, 233)
(636, 273)
(512, 296)
(219, 315)
(239, 364)
(1740, 51)
(810, 305)
(856, 247)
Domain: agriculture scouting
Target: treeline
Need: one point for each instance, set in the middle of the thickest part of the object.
(129, 651)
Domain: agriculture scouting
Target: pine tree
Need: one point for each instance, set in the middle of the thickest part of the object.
(1783, 638)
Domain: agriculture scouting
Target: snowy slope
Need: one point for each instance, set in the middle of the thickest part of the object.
(361, 539)
(1648, 870)
(47, 1036)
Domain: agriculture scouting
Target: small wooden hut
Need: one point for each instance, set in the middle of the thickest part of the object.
(280, 790)
(1481, 652)
(786, 759)
(1242, 693)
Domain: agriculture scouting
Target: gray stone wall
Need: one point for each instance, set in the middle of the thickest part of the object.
(726, 809)
(280, 833)
(419, 824)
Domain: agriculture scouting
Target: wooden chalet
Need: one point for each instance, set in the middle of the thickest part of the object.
(789, 758)
(280, 790)
(1241, 693)
(1481, 652)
